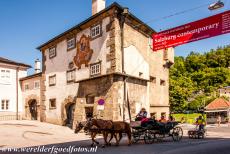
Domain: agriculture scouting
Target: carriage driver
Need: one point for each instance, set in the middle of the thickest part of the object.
(141, 115)
(200, 122)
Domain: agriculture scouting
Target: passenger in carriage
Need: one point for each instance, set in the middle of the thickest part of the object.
(171, 119)
(141, 115)
(163, 120)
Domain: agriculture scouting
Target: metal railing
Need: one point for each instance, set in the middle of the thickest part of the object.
(9, 117)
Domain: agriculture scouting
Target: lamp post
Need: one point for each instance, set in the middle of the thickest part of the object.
(219, 4)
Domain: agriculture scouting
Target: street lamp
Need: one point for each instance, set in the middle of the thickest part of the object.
(216, 5)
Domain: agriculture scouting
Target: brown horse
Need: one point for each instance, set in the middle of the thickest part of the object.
(96, 126)
(120, 127)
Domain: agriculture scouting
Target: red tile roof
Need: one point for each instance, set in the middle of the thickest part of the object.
(218, 103)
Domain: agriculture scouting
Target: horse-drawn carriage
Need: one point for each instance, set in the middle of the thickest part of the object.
(155, 131)
(148, 133)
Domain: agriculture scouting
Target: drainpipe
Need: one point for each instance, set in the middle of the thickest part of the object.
(17, 93)
(123, 16)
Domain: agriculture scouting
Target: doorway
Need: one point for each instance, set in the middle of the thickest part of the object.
(70, 108)
(33, 109)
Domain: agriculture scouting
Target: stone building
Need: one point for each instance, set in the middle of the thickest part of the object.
(103, 67)
(10, 91)
(30, 87)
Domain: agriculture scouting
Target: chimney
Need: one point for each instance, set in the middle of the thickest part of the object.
(97, 6)
(37, 66)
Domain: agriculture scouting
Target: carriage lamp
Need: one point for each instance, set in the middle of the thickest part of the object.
(219, 4)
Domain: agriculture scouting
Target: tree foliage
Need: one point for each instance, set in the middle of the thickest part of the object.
(195, 79)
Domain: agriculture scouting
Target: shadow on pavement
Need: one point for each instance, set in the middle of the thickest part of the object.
(164, 146)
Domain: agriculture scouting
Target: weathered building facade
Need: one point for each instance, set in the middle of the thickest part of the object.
(30, 87)
(103, 67)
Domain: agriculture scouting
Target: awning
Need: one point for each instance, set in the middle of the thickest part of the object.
(226, 110)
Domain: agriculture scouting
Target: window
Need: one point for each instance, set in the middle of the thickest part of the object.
(53, 103)
(71, 65)
(153, 115)
(162, 83)
(27, 86)
(5, 75)
(52, 52)
(163, 114)
(96, 31)
(90, 99)
(36, 85)
(95, 69)
(5, 105)
(71, 43)
(165, 54)
(153, 79)
(140, 74)
(52, 80)
(70, 76)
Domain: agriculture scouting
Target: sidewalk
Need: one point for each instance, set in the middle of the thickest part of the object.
(32, 133)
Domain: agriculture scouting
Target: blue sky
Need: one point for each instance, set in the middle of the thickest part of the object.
(26, 24)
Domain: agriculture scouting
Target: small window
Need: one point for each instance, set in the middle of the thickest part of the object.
(95, 69)
(162, 83)
(52, 80)
(27, 86)
(71, 43)
(5, 75)
(165, 54)
(36, 85)
(53, 103)
(140, 74)
(153, 115)
(96, 31)
(163, 114)
(70, 76)
(52, 52)
(90, 99)
(71, 65)
(5, 105)
(153, 79)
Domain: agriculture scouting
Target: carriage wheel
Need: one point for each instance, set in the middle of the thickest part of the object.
(177, 133)
(136, 137)
(149, 138)
(200, 135)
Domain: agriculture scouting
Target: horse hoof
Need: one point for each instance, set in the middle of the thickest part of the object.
(103, 146)
(109, 144)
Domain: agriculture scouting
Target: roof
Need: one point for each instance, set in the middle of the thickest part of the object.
(7, 61)
(92, 17)
(31, 76)
(219, 103)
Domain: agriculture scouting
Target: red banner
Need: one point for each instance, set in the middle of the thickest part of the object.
(205, 28)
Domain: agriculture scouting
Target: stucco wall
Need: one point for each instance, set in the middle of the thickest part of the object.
(8, 89)
(59, 65)
(139, 57)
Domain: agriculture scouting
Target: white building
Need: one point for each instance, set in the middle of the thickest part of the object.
(10, 91)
